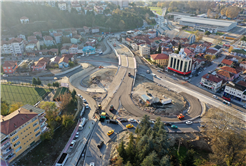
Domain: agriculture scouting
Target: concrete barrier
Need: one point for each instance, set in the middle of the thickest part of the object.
(115, 52)
(204, 108)
(67, 71)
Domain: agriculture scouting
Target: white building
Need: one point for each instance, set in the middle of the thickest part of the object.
(235, 91)
(73, 49)
(62, 5)
(211, 82)
(94, 30)
(180, 63)
(57, 37)
(14, 46)
(48, 41)
(24, 20)
(144, 50)
(207, 24)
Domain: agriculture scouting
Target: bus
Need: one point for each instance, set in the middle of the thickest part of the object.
(82, 123)
(62, 160)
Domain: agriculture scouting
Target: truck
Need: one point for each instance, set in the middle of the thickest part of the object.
(111, 108)
(62, 160)
(82, 123)
(114, 45)
(180, 116)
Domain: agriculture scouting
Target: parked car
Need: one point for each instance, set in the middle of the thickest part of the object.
(202, 126)
(84, 100)
(100, 145)
(174, 127)
(131, 120)
(110, 132)
(92, 164)
(129, 126)
(77, 135)
(5, 75)
(72, 143)
(123, 120)
(113, 121)
(189, 122)
(149, 94)
(215, 97)
(129, 74)
(168, 124)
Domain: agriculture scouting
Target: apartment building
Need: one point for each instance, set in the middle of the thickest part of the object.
(236, 91)
(14, 47)
(144, 50)
(160, 59)
(211, 82)
(180, 63)
(20, 130)
(62, 5)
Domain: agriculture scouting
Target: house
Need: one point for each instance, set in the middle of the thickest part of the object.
(75, 5)
(197, 63)
(51, 32)
(55, 60)
(236, 91)
(226, 62)
(31, 38)
(40, 64)
(243, 64)
(9, 67)
(62, 5)
(211, 82)
(33, 45)
(160, 59)
(95, 30)
(65, 50)
(73, 49)
(89, 50)
(86, 29)
(38, 34)
(58, 37)
(67, 34)
(225, 75)
(21, 130)
(75, 39)
(98, 9)
(69, 56)
(144, 50)
(63, 62)
(91, 42)
(236, 71)
(167, 50)
(24, 20)
(189, 53)
(152, 34)
(48, 40)
(53, 51)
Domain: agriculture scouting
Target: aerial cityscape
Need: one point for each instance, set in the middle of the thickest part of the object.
(123, 83)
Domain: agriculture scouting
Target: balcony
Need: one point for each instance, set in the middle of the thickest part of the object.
(10, 157)
(43, 125)
(41, 120)
(44, 129)
(7, 152)
(4, 142)
(5, 146)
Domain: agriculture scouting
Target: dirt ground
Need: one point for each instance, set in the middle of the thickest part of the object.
(144, 86)
(101, 78)
(97, 96)
(124, 113)
(101, 46)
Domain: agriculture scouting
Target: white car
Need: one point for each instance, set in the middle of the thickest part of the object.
(72, 143)
(86, 105)
(79, 95)
(5, 75)
(77, 135)
(131, 120)
(189, 122)
(84, 99)
(92, 164)
(244, 106)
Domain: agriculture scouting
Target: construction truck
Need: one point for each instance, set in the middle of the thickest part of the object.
(111, 108)
(180, 116)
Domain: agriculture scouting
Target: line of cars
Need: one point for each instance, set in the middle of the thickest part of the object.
(84, 100)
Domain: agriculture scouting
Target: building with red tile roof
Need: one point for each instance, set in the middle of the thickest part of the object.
(160, 59)
(9, 67)
(227, 62)
(211, 82)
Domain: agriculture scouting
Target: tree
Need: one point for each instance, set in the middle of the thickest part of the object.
(179, 47)
(73, 93)
(121, 150)
(4, 108)
(49, 85)
(122, 25)
(232, 12)
(151, 160)
(207, 33)
(208, 57)
(34, 81)
(214, 57)
(48, 106)
(119, 161)
(14, 107)
(67, 120)
(47, 135)
(230, 49)
(38, 81)
(189, 158)
(227, 138)
(130, 149)
(128, 163)
(176, 51)
(56, 84)
(159, 50)
(223, 11)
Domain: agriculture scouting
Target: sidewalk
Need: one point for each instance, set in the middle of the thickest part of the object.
(75, 153)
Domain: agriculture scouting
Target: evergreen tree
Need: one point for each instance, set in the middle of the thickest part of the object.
(73, 94)
(34, 81)
(189, 158)
(121, 150)
(38, 81)
(159, 49)
(179, 47)
(130, 150)
(128, 163)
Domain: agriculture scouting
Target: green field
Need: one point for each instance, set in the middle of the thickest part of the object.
(26, 95)
(157, 9)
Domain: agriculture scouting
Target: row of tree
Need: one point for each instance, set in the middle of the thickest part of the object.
(7, 109)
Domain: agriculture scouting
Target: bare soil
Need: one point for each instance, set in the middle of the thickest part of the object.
(97, 96)
(101, 78)
(144, 86)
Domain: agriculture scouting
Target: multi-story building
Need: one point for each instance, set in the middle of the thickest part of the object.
(236, 91)
(58, 37)
(211, 82)
(180, 63)
(144, 50)
(62, 5)
(20, 130)
(24, 20)
(48, 40)
(9, 67)
(73, 49)
(15, 46)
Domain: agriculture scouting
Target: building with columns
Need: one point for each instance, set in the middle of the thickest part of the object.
(180, 63)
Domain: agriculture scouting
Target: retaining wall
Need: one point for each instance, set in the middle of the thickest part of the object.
(67, 71)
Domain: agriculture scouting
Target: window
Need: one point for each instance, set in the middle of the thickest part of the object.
(10, 70)
(18, 149)
(37, 134)
(35, 124)
(13, 133)
(16, 144)
(15, 138)
(36, 129)
(8, 67)
(4, 67)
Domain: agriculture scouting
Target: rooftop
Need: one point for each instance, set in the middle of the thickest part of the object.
(227, 62)
(159, 56)
(206, 21)
(212, 78)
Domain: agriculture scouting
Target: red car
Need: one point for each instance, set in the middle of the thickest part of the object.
(226, 98)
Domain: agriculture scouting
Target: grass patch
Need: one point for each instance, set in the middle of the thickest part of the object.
(48, 151)
(192, 32)
(219, 33)
(157, 9)
(26, 95)
(239, 51)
